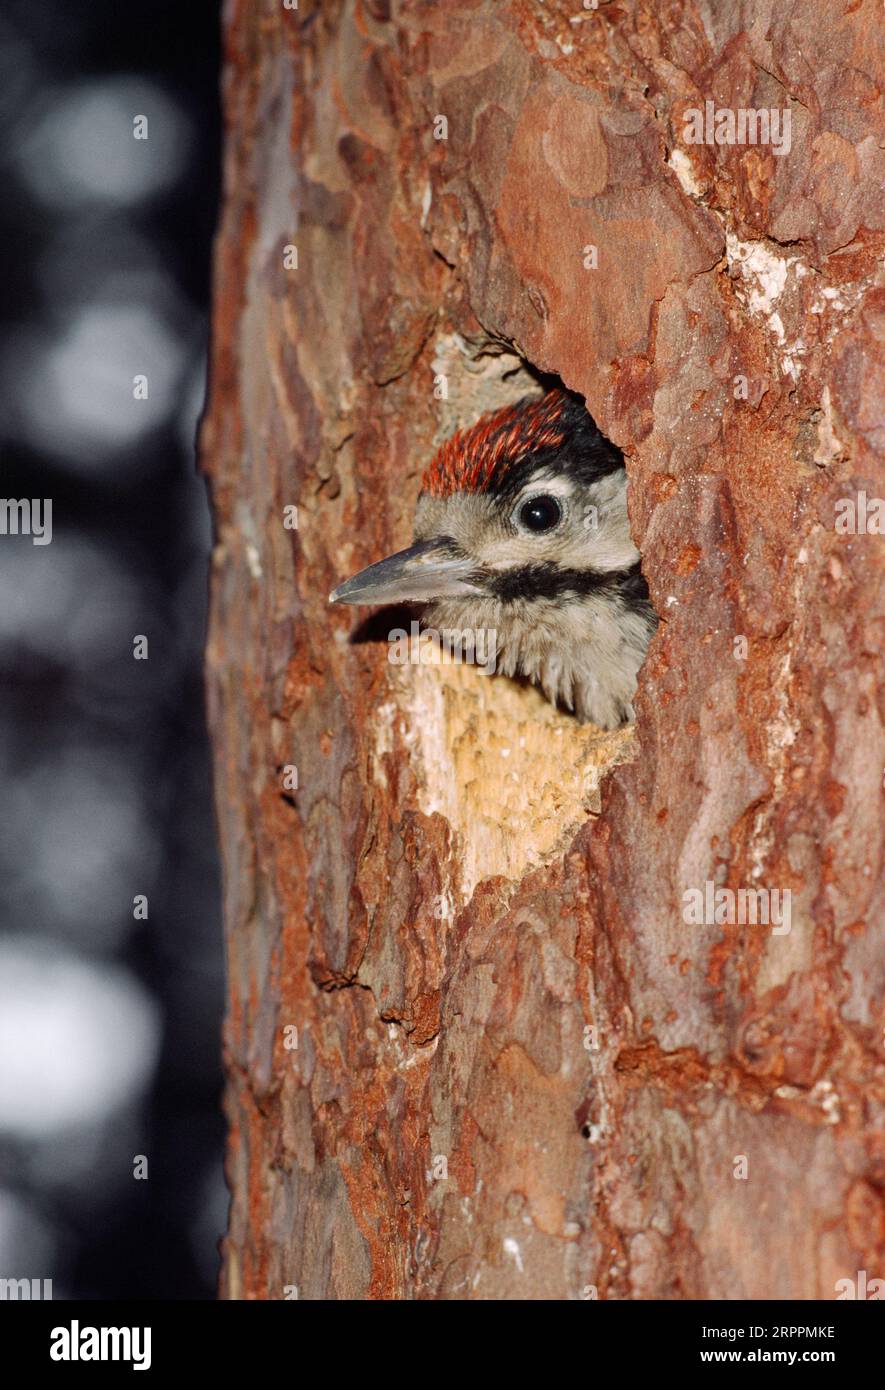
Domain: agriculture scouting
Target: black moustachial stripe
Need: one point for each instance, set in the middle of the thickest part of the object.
(549, 580)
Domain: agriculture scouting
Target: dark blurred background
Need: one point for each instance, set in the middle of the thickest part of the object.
(109, 1026)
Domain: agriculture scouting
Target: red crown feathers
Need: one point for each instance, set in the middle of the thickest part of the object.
(472, 458)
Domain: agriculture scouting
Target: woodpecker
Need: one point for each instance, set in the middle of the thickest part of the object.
(521, 529)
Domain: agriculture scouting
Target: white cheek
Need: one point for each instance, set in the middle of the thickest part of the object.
(507, 554)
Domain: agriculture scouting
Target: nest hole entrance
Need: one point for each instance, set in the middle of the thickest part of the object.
(514, 777)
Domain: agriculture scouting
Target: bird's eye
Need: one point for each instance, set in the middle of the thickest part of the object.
(539, 513)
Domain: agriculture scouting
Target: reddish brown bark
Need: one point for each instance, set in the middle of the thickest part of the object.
(449, 900)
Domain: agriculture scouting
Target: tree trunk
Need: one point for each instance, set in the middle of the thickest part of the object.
(490, 1034)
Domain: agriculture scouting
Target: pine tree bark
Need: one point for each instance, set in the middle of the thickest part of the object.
(477, 1045)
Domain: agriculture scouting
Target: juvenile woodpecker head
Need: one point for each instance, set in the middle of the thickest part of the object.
(521, 530)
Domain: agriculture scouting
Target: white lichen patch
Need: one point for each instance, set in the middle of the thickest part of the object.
(834, 303)
(511, 1248)
(763, 278)
(248, 529)
(383, 744)
(823, 1096)
(426, 200)
(764, 274)
(683, 168)
(829, 445)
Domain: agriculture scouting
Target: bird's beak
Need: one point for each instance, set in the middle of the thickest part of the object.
(427, 570)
